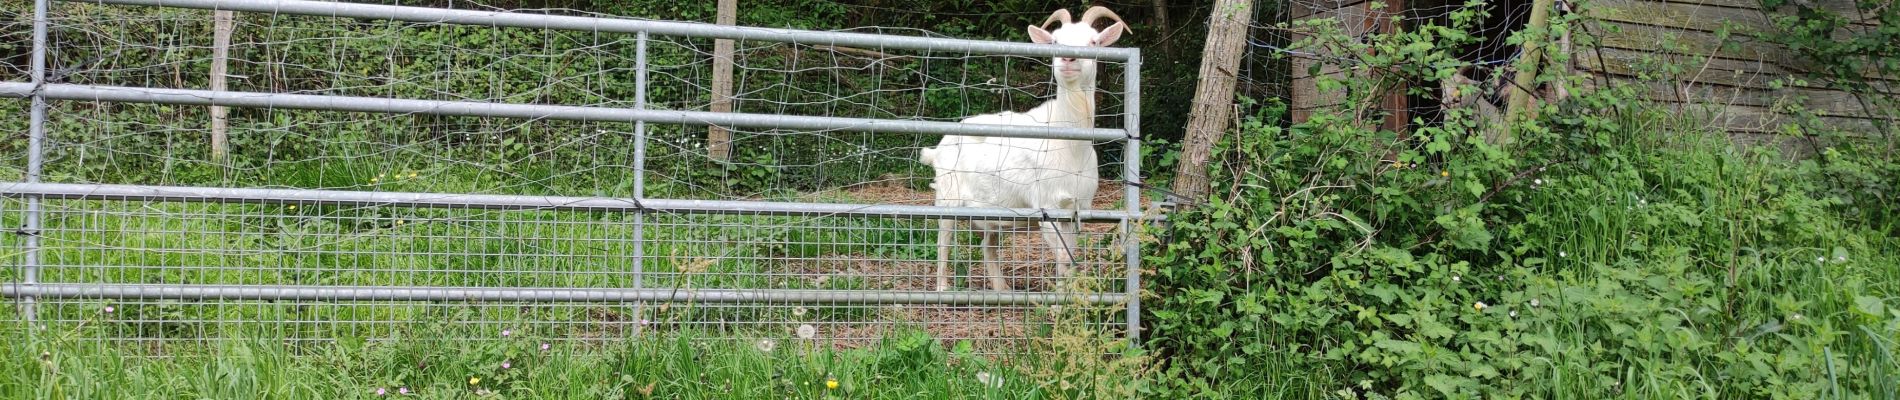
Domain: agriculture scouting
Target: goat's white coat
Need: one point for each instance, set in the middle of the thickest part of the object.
(1011, 172)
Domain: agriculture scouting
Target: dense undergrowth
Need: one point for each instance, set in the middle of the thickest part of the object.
(1618, 249)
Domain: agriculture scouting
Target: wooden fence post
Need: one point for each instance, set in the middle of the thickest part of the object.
(221, 25)
(719, 139)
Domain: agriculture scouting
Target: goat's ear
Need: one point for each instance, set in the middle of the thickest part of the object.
(1036, 34)
(1108, 36)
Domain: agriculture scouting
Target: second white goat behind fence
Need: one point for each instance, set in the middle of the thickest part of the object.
(976, 171)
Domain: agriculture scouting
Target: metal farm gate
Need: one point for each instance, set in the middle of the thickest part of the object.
(364, 219)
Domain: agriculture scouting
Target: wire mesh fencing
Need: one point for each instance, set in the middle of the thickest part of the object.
(1292, 46)
(540, 172)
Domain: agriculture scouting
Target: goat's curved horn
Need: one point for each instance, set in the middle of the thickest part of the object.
(1061, 14)
(1088, 17)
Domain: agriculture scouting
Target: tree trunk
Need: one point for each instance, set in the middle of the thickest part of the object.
(1161, 26)
(1214, 96)
(221, 25)
(1520, 99)
(718, 139)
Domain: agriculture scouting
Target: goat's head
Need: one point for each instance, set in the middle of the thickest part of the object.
(1074, 72)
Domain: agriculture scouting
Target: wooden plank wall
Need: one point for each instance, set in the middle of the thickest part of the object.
(1357, 18)
(1729, 86)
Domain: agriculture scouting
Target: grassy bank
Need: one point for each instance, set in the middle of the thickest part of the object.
(53, 364)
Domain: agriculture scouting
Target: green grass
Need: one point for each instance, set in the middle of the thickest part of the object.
(55, 364)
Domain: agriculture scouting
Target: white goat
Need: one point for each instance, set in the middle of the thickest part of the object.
(1027, 172)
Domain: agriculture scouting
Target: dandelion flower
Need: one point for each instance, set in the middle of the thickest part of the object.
(831, 383)
(506, 365)
(798, 311)
(1446, 174)
(765, 345)
(806, 331)
(474, 380)
(381, 391)
(1478, 305)
(293, 206)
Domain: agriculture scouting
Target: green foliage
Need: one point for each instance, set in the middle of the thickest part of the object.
(463, 362)
(1614, 250)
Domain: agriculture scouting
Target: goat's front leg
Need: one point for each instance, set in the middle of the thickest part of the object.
(1061, 239)
(991, 263)
(946, 235)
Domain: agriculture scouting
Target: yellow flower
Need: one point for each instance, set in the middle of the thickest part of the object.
(831, 383)
(1446, 174)
(474, 381)
(293, 206)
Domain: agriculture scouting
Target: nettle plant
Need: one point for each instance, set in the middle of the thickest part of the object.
(1845, 47)
(1603, 253)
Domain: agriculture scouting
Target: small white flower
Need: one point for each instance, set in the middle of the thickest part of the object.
(1563, 254)
(1479, 306)
(989, 380)
(1538, 181)
(1533, 302)
(806, 331)
(1840, 258)
(765, 345)
(1513, 313)
(1820, 259)
(1454, 278)
(1796, 317)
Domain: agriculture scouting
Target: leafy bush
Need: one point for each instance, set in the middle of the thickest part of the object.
(1612, 251)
